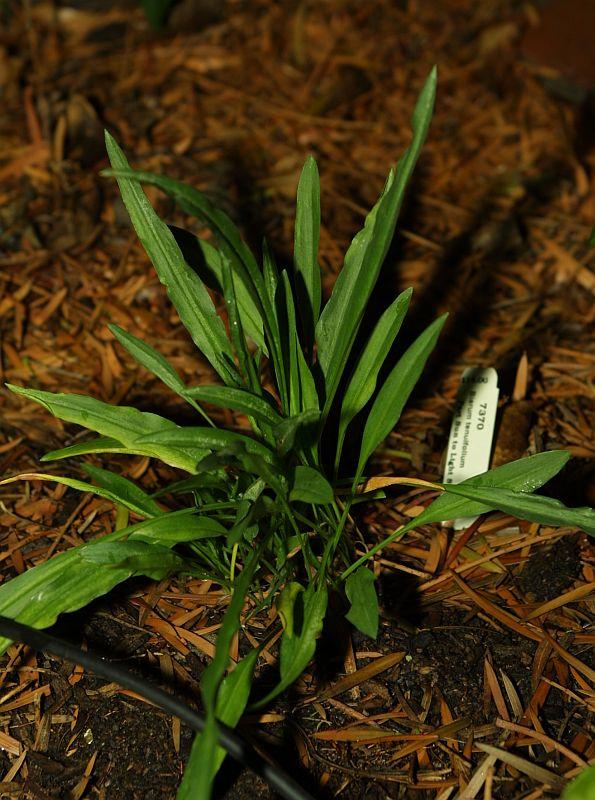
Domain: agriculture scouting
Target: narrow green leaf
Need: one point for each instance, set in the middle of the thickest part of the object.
(342, 315)
(305, 251)
(199, 774)
(297, 650)
(582, 787)
(523, 475)
(204, 755)
(178, 527)
(532, 507)
(308, 392)
(274, 340)
(207, 262)
(309, 486)
(132, 555)
(123, 423)
(233, 696)
(270, 275)
(297, 432)
(195, 442)
(362, 383)
(361, 593)
(149, 358)
(186, 291)
(289, 342)
(205, 759)
(194, 202)
(154, 362)
(74, 578)
(127, 492)
(393, 395)
(118, 493)
(102, 444)
(238, 399)
(236, 330)
(285, 605)
(234, 691)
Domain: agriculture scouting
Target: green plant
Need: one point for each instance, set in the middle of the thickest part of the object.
(582, 787)
(156, 11)
(264, 520)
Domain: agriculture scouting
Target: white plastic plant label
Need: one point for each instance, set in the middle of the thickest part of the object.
(472, 429)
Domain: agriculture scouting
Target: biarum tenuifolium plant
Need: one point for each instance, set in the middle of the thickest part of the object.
(267, 513)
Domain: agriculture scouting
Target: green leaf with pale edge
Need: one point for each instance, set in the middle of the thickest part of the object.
(196, 442)
(102, 444)
(395, 391)
(149, 358)
(185, 289)
(362, 383)
(154, 362)
(238, 399)
(74, 578)
(121, 492)
(523, 475)
(126, 492)
(194, 202)
(305, 249)
(123, 423)
(531, 507)
(582, 787)
(309, 486)
(298, 650)
(342, 315)
(361, 593)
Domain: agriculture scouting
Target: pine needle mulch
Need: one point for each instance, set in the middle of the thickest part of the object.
(481, 681)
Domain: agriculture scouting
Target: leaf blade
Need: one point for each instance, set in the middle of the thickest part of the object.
(362, 383)
(394, 393)
(342, 315)
(237, 399)
(186, 291)
(305, 250)
(523, 475)
(297, 650)
(310, 486)
(72, 579)
(363, 613)
(535, 508)
(123, 423)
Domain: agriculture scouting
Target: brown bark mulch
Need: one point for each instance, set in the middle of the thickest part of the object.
(481, 681)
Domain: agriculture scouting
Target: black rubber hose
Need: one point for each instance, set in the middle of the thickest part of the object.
(277, 778)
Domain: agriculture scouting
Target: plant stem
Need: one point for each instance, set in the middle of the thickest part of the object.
(372, 552)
